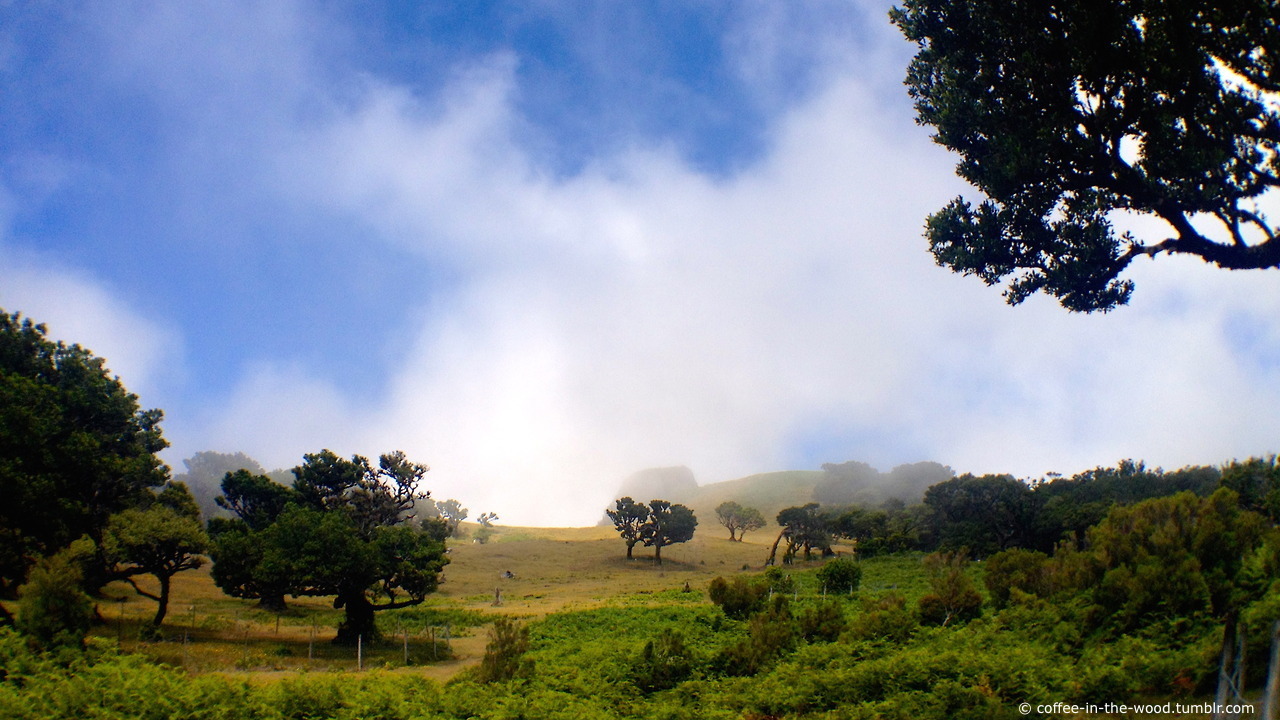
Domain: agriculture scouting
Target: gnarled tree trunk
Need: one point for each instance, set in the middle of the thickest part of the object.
(359, 620)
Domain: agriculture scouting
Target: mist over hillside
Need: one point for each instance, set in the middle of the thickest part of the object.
(848, 483)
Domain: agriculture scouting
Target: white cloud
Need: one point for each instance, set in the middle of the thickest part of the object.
(78, 308)
(640, 313)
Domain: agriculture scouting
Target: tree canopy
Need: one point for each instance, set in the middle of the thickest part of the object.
(1067, 114)
(628, 517)
(803, 527)
(161, 540)
(658, 524)
(668, 524)
(982, 514)
(75, 448)
(345, 528)
(738, 519)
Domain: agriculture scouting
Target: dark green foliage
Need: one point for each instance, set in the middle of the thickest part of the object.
(345, 530)
(667, 525)
(1064, 114)
(770, 634)
(884, 619)
(657, 524)
(1068, 507)
(239, 569)
(74, 449)
(738, 598)
(158, 541)
(628, 518)
(823, 621)
(504, 657)
(984, 514)
(53, 609)
(1257, 482)
(256, 500)
(1026, 571)
(840, 576)
(804, 528)
(891, 529)
(663, 663)
(238, 546)
(952, 597)
(779, 581)
(1180, 556)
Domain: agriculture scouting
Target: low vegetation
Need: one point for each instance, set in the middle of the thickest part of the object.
(345, 592)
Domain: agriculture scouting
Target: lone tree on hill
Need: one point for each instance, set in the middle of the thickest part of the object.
(628, 518)
(1065, 114)
(349, 533)
(738, 519)
(668, 524)
(76, 449)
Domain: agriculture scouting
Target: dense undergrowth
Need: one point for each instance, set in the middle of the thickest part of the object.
(800, 654)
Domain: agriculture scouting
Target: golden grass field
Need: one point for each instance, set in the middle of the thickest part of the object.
(554, 569)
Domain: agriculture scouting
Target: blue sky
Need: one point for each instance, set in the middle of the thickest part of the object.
(541, 245)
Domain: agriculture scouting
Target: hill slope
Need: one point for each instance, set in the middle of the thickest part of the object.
(766, 492)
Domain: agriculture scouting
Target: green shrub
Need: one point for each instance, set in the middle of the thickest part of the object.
(841, 575)
(779, 581)
(770, 634)
(1016, 568)
(53, 609)
(824, 621)
(887, 618)
(738, 598)
(664, 663)
(504, 655)
(953, 597)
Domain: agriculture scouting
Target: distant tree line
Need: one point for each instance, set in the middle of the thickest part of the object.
(985, 514)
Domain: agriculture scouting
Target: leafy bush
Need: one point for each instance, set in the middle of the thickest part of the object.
(54, 610)
(1025, 570)
(953, 597)
(887, 618)
(824, 621)
(664, 663)
(738, 598)
(770, 634)
(779, 581)
(504, 655)
(840, 575)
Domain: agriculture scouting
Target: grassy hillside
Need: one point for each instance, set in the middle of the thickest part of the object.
(590, 614)
(555, 569)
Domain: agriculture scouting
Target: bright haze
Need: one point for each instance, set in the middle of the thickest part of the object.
(542, 245)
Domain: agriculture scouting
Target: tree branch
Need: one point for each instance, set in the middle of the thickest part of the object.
(396, 605)
(140, 591)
